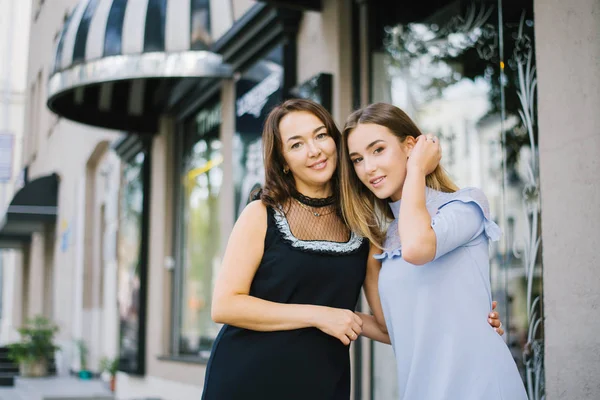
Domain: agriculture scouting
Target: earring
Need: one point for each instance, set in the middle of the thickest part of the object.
(286, 169)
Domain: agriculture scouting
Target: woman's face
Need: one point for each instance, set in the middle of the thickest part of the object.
(379, 159)
(308, 150)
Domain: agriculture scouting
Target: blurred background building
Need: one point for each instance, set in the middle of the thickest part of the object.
(14, 46)
(130, 141)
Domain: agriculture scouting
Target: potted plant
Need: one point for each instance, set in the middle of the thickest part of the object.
(36, 347)
(111, 366)
(84, 373)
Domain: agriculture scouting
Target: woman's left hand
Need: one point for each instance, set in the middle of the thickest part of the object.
(494, 320)
(425, 155)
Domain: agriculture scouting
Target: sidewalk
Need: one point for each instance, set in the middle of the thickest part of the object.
(56, 388)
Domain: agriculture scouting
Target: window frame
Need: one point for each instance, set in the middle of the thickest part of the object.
(142, 145)
(211, 98)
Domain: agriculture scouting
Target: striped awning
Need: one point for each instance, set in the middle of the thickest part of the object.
(117, 61)
(314, 5)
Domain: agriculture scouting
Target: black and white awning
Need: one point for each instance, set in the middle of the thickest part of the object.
(314, 5)
(117, 60)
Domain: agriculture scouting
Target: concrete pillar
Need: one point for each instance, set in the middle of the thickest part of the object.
(568, 59)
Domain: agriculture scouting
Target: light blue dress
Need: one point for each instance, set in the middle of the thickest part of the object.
(436, 313)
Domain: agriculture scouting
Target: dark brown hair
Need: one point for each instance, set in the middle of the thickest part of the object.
(279, 186)
(364, 213)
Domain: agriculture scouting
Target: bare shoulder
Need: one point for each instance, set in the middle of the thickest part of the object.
(254, 217)
(254, 209)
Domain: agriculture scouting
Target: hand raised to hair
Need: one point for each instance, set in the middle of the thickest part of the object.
(426, 154)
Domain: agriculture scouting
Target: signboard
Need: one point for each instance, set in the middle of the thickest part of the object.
(6, 155)
(209, 119)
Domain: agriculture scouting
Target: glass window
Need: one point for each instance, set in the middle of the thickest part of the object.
(466, 73)
(257, 92)
(130, 262)
(201, 174)
(200, 25)
(200, 244)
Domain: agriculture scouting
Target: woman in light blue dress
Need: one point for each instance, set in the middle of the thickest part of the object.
(435, 254)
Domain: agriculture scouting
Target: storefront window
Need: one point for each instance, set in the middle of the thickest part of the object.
(200, 252)
(130, 264)
(466, 73)
(257, 92)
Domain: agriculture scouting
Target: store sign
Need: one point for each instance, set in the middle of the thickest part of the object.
(208, 119)
(6, 156)
(255, 100)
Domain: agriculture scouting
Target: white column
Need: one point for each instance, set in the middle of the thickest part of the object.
(568, 60)
(10, 280)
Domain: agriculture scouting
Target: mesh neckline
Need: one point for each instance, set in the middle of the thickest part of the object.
(317, 234)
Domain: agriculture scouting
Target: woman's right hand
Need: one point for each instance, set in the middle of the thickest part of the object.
(425, 155)
(342, 324)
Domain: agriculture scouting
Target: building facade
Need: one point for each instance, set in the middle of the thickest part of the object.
(14, 41)
(47, 217)
(152, 135)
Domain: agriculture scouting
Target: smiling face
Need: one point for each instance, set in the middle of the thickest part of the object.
(379, 159)
(309, 152)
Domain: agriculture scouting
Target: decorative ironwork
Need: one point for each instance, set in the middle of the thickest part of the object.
(524, 63)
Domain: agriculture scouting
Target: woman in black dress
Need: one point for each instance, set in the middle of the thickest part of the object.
(291, 274)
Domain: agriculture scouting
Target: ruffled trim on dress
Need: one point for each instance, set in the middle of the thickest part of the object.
(389, 254)
(435, 201)
(319, 246)
(474, 195)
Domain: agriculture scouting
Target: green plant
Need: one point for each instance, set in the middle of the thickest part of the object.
(83, 352)
(36, 344)
(19, 352)
(110, 365)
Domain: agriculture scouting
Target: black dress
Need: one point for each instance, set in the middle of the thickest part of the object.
(303, 364)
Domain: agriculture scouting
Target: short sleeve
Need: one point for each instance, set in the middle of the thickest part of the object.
(462, 218)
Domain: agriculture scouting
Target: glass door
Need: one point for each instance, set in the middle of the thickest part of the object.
(465, 71)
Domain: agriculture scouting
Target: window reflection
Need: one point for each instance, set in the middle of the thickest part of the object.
(201, 248)
(129, 263)
(257, 92)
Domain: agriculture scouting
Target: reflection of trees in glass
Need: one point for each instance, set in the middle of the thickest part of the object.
(132, 188)
(129, 257)
(202, 183)
(443, 52)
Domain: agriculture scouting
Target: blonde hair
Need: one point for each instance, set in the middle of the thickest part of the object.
(364, 213)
